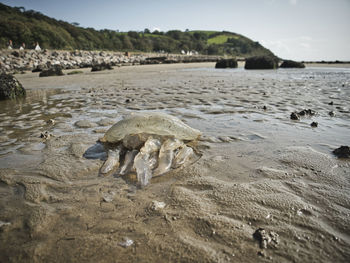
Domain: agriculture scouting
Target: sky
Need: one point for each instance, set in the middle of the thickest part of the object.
(292, 29)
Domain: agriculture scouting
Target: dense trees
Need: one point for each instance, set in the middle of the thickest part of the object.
(29, 27)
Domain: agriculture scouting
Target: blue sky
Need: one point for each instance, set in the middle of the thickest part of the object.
(292, 29)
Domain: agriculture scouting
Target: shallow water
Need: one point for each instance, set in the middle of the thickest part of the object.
(226, 102)
(259, 168)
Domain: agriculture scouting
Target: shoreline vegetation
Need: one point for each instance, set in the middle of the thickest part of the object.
(32, 29)
(326, 62)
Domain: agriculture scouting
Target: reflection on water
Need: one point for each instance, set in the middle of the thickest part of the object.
(234, 103)
(23, 119)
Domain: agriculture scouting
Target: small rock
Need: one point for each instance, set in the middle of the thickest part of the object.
(108, 197)
(101, 66)
(295, 116)
(126, 243)
(56, 70)
(331, 113)
(10, 88)
(314, 124)
(39, 68)
(307, 112)
(331, 103)
(342, 152)
(15, 54)
(155, 205)
(45, 135)
(51, 121)
(266, 238)
(264, 108)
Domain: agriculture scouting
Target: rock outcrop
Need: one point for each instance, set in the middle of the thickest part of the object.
(261, 62)
(227, 63)
(55, 70)
(101, 66)
(10, 88)
(291, 64)
(342, 152)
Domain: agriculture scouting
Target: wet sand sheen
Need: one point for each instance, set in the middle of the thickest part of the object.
(258, 169)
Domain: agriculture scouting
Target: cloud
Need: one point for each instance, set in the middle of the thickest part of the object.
(279, 47)
(293, 2)
(155, 29)
(291, 47)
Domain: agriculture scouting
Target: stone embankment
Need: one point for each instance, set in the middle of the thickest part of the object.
(24, 60)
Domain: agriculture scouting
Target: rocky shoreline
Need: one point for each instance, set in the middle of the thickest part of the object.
(14, 61)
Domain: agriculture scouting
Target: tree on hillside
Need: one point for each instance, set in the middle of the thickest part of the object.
(127, 45)
(175, 34)
(29, 26)
(134, 34)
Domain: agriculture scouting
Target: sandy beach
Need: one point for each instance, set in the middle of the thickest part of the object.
(258, 168)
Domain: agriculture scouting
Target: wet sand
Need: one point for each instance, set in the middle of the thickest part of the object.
(259, 168)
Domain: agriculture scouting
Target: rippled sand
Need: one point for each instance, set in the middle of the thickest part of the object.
(258, 169)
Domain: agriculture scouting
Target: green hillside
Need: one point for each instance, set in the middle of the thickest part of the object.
(29, 27)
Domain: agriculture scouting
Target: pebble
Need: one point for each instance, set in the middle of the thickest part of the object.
(155, 205)
(331, 113)
(51, 121)
(108, 197)
(266, 238)
(126, 243)
(294, 116)
(46, 135)
(342, 152)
